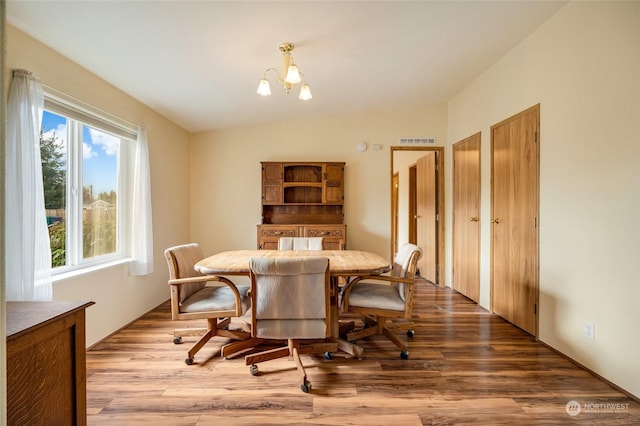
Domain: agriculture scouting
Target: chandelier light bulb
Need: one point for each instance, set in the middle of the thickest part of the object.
(305, 92)
(263, 88)
(293, 75)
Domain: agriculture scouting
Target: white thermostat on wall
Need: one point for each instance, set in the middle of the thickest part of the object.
(362, 147)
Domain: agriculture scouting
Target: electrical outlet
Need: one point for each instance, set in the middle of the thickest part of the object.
(589, 330)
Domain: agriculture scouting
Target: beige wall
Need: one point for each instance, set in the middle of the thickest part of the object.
(225, 171)
(119, 298)
(583, 67)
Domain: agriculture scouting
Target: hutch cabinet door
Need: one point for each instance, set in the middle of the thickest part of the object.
(272, 174)
(333, 183)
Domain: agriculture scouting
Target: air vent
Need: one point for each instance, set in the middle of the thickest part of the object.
(417, 141)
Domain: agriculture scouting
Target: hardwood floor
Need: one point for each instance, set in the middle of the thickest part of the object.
(466, 367)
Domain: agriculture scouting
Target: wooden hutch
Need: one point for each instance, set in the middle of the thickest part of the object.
(302, 199)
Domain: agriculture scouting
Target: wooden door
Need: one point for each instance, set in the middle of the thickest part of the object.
(466, 217)
(514, 218)
(427, 215)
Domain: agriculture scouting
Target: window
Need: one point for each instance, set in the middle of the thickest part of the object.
(83, 175)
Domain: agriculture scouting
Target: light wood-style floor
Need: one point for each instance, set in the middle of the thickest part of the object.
(466, 367)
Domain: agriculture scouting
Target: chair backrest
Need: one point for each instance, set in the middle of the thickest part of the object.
(405, 264)
(300, 243)
(181, 261)
(290, 297)
(406, 260)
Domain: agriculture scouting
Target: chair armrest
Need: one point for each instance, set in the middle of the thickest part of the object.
(201, 279)
(386, 278)
(209, 278)
(191, 280)
(346, 292)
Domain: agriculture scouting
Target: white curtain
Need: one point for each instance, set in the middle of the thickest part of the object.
(28, 253)
(142, 229)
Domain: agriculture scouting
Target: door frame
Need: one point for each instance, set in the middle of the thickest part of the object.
(394, 210)
(413, 210)
(440, 202)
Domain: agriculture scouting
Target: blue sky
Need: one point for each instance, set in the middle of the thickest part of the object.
(99, 165)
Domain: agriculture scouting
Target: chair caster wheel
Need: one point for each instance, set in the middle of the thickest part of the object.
(328, 355)
(253, 370)
(410, 333)
(305, 387)
(188, 361)
(177, 340)
(404, 355)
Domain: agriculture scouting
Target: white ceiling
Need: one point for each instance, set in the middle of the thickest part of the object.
(199, 62)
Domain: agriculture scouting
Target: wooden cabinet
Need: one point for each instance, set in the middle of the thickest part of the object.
(46, 363)
(302, 199)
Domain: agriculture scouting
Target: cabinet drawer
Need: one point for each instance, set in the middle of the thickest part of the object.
(268, 235)
(326, 231)
(335, 236)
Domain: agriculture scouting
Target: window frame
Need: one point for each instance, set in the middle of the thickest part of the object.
(78, 115)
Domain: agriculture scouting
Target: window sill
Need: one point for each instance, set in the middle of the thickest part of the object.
(88, 269)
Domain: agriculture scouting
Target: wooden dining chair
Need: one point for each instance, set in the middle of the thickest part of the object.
(210, 297)
(300, 243)
(381, 299)
(290, 300)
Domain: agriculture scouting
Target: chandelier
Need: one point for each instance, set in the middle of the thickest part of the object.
(292, 75)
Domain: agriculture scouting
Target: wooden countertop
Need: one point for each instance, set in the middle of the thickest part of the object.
(23, 317)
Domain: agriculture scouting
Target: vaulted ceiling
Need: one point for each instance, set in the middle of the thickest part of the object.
(199, 62)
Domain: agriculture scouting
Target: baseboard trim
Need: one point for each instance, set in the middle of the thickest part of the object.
(593, 373)
(124, 326)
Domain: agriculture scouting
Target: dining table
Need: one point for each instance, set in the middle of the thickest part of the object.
(342, 264)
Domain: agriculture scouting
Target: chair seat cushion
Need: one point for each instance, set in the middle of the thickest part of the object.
(378, 296)
(215, 298)
(291, 329)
